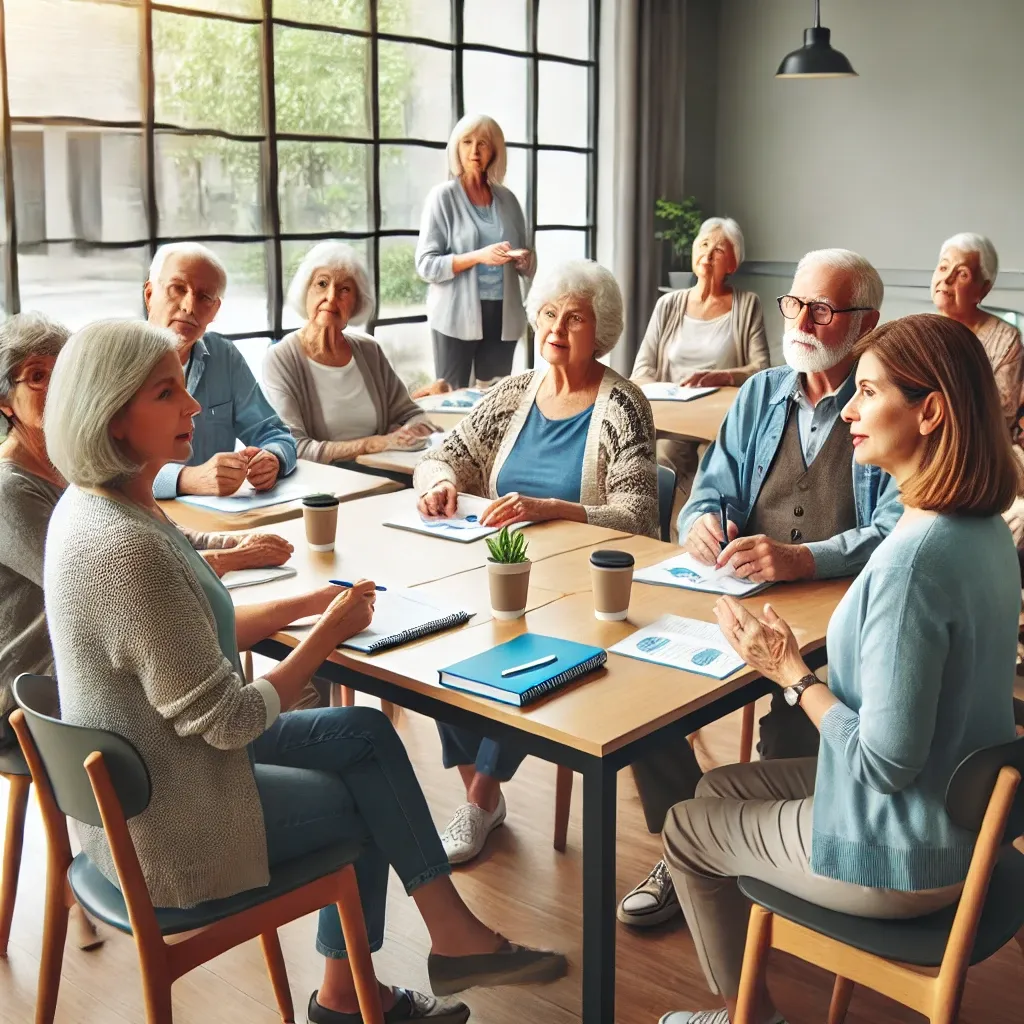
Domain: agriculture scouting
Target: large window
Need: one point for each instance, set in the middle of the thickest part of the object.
(262, 126)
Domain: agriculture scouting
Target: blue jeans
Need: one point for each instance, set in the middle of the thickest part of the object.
(489, 757)
(331, 775)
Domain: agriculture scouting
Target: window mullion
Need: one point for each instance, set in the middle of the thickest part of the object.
(375, 183)
(12, 297)
(270, 177)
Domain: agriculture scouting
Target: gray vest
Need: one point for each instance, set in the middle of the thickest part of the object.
(799, 504)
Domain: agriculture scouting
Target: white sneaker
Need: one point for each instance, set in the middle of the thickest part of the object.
(704, 1017)
(466, 833)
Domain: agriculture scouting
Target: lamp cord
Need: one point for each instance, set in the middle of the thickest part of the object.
(817, 13)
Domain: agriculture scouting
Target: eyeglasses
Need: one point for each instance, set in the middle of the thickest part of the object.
(821, 312)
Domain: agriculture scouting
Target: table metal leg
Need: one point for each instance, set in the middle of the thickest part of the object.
(599, 792)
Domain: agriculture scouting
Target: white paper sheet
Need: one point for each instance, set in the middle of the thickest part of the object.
(659, 391)
(685, 571)
(463, 527)
(251, 577)
(688, 644)
(289, 488)
(454, 401)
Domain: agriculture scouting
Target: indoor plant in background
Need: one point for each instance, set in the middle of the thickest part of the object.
(679, 224)
(508, 574)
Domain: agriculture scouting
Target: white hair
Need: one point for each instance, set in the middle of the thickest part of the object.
(729, 228)
(988, 259)
(97, 373)
(335, 256)
(581, 279)
(868, 289)
(25, 335)
(486, 126)
(193, 249)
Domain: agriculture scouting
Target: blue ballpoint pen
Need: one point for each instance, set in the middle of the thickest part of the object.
(723, 511)
(345, 583)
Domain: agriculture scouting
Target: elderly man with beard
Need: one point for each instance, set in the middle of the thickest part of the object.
(799, 506)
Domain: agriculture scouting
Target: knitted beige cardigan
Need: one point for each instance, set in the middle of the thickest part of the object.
(619, 484)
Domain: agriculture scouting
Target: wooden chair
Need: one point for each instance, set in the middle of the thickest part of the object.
(113, 787)
(921, 963)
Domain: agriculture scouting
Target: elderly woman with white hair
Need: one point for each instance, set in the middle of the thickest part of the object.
(967, 269)
(472, 252)
(709, 335)
(146, 641)
(331, 385)
(574, 441)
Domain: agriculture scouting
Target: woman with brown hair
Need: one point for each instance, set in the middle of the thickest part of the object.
(921, 665)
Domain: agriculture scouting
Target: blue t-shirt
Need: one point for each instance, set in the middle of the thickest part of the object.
(489, 229)
(547, 459)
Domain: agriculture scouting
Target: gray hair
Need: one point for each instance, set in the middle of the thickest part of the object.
(988, 258)
(868, 289)
(334, 256)
(489, 127)
(25, 335)
(581, 279)
(98, 372)
(194, 249)
(730, 229)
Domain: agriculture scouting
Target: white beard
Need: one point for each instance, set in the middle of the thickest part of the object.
(818, 358)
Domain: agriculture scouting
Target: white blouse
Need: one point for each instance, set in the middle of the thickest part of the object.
(698, 345)
(348, 410)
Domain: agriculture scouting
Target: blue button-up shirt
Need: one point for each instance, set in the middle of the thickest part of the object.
(234, 407)
(736, 465)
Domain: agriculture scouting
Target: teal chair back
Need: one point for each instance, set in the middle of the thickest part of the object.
(666, 495)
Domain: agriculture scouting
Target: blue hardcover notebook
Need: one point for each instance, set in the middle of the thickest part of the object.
(481, 674)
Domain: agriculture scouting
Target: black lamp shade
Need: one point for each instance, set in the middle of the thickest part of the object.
(815, 59)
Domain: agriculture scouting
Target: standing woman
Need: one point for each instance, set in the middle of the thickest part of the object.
(472, 252)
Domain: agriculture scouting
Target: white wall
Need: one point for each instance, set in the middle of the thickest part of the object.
(929, 140)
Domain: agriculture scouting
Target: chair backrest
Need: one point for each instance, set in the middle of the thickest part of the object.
(63, 749)
(666, 495)
(970, 788)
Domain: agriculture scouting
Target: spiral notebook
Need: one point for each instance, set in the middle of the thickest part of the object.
(400, 616)
(482, 674)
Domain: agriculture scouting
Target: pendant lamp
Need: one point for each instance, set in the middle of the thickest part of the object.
(816, 58)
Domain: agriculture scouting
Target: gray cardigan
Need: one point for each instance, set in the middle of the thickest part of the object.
(136, 651)
(453, 300)
(749, 352)
(289, 385)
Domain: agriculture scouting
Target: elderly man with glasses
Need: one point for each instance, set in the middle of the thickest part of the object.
(798, 506)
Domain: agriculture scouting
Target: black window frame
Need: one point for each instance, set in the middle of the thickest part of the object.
(271, 234)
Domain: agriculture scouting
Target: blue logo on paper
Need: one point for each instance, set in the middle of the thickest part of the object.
(651, 643)
(705, 657)
(682, 573)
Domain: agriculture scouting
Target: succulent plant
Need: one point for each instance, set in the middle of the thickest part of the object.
(507, 547)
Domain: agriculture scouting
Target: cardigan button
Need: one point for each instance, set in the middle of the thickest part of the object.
(795, 536)
(799, 510)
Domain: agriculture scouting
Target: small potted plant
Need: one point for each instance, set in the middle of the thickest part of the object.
(680, 223)
(508, 574)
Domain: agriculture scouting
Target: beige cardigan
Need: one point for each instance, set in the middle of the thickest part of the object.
(289, 386)
(619, 483)
(749, 352)
(1002, 345)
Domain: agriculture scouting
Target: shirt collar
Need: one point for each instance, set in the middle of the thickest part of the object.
(795, 391)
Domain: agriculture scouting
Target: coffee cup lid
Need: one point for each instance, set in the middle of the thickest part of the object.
(319, 500)
(608, 559)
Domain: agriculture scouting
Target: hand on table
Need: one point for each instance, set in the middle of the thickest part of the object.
(350, 610)
(260, 550)
(704, 541)
(516, 508)
(439, 387)
(708, 379)
(763, 560)
(262, 467)
(221, 475)
(411, 433)
(766, 645)
(440, 502)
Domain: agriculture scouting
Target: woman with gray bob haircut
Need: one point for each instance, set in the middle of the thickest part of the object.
(472, 252)
(571, 441)
(146, 642)
(333, 386)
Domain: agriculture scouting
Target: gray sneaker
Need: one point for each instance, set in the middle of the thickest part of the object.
(409, 1005)
(653, 901)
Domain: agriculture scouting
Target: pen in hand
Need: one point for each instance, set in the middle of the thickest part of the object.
(723, 512)
(345, 583)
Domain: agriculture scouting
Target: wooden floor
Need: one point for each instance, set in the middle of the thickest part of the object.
(521, 886)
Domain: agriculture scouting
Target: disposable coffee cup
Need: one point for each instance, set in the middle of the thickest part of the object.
(611, 577)
(509, 584)
(320, 514)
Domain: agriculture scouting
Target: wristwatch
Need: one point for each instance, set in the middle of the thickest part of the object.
(793, 693)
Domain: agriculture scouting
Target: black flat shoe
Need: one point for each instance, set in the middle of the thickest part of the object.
(409, 1005)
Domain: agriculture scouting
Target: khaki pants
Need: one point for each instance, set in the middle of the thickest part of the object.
(755, 819)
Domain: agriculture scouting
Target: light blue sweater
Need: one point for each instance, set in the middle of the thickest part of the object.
(449, 227)
(922, 652)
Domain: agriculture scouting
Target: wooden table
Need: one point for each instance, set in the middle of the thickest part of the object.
(344, 484)
(595, 726)
(698, 420)
(393, 461)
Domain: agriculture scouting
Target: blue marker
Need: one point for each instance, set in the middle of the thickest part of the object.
(345, 583)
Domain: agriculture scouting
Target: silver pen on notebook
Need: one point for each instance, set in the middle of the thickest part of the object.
(549, 659)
